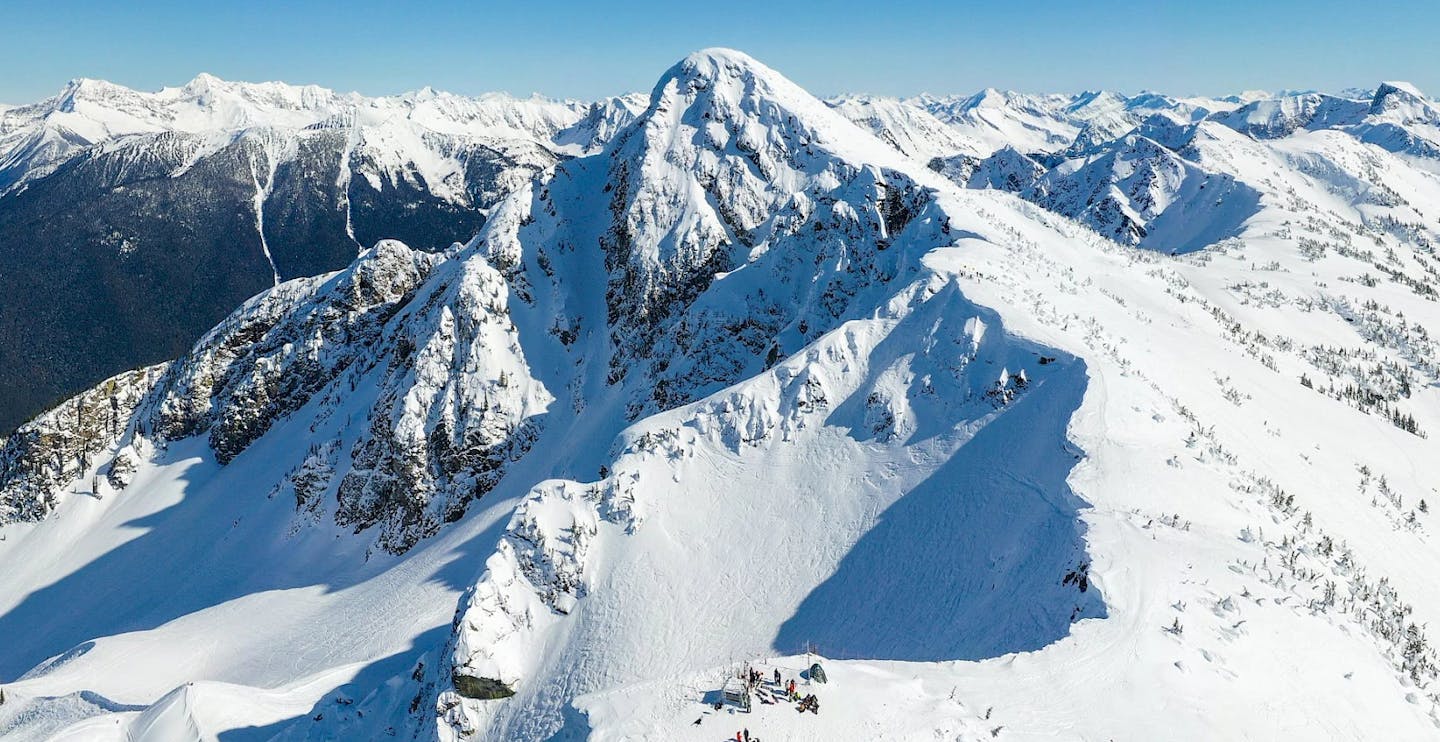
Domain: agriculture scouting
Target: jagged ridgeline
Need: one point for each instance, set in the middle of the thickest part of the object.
(448, 397)
(132, 222)
(1059, 414)
(431, 339)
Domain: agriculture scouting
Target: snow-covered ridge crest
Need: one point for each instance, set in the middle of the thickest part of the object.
(565, 536)
(283, 347)
(753, 237)
(417, 345)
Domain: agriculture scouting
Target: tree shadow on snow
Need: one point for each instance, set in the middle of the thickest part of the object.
(971, 563)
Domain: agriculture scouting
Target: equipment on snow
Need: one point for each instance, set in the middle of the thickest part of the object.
(737, 693)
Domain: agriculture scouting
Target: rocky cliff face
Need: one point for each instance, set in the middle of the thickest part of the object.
(57, 448)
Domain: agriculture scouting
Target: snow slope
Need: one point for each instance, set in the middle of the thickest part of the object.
(750, 381)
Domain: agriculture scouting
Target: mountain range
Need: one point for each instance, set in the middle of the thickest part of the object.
(1029, 417)
(132, 222)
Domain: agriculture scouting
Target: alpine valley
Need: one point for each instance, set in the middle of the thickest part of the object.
(1028, 417)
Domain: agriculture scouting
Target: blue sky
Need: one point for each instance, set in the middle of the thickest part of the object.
(575, 49)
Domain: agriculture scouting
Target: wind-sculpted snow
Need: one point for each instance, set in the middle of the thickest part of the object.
(928, 380)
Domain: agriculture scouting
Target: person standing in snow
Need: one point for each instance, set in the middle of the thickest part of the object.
(777, 677)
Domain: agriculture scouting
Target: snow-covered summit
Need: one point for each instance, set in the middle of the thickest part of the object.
(1404, 103)
(745, 381)
(1397, 87)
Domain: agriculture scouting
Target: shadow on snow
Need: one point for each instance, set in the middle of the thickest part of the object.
(969, 564)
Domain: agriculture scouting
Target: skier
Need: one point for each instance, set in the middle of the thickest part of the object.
(747, 734)
(777, 677)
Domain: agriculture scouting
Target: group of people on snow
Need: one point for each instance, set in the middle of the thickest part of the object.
(766, 688)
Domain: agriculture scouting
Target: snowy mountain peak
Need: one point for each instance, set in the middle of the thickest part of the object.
(743, 378)
(728, 164)
(1401, 99)
(989, 98)
(203, 81)
(718, 66)
(1394, 87)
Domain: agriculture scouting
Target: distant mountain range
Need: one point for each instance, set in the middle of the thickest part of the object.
(130, 222)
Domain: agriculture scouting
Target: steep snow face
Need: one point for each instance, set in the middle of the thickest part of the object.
(1402, 120)
(1404, 103)
(917, 390)
(738, 180)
